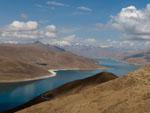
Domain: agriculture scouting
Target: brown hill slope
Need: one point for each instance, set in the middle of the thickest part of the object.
(12, 70)
(33, 60)
(129, 94)
(42, 55)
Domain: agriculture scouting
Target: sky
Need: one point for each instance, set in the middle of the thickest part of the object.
(103, 23)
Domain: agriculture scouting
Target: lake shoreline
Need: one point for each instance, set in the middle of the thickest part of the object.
(52, 72)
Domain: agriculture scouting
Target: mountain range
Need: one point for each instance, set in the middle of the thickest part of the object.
(131, 56)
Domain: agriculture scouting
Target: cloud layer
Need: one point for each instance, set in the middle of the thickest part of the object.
(133, 22)
(27, 30)
(84, 9)
(23, 26)
(56, 4)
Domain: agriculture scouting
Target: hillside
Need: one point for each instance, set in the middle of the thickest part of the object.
(13, 70)
(128, 94)
(34, 60)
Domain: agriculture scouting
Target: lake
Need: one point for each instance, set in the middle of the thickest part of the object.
(15, 94)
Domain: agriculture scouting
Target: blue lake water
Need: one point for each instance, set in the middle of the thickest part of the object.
(15, 94)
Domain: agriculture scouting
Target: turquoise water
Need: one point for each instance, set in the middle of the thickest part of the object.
(15, 94)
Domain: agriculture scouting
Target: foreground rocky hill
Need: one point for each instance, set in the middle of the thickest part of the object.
(128, 94)
(34, 60)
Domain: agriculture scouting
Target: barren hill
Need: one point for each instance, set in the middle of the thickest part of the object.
(128, 94)
(34, 60)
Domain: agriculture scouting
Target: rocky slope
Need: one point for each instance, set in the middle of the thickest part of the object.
(128, 94)
(33, 60)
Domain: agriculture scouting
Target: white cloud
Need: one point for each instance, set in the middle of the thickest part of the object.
(27, 30)
(17, 25)
(104, 46)
(11, 42)
(61, 41)
(86, 41)
(84, 9)
(127, 44)
(70, 38)
(56, 4)
(133, 22)
(50, 31)
(90, 40)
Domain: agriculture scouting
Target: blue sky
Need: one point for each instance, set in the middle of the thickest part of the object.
(102, 10)
(72, 18)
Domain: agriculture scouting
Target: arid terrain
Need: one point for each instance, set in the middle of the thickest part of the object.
(28, 61)
(128, 94)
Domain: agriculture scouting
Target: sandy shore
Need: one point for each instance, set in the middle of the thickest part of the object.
(52, 74)
(80, 69)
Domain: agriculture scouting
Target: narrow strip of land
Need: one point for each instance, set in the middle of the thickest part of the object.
(52, 74)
